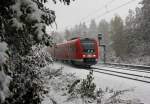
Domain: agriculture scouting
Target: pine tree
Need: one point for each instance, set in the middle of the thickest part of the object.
(23, 25)
(67, 34)
(92, 29)
(133, 34)
(145, 26)
(103, 28)
(130, 31)
(87, 86)
(117, 36)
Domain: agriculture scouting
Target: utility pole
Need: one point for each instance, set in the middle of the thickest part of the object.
(102, 46)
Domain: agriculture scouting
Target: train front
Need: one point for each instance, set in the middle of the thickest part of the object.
(89, 51)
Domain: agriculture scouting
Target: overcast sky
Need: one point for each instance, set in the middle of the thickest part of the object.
(81, 11)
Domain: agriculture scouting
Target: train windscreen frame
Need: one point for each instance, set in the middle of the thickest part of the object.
(88, 45)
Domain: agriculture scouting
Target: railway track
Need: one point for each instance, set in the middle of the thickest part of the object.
(127, 68)
(127, 72)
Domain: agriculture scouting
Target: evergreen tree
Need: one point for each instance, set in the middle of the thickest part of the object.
(117, 36)
(4, 79)
(92, 29)
(23, 25)
(130, 31)
(67, 34)
(57, 37)
(84, 30)
(145, 26)
(133, 32)
(103, 28)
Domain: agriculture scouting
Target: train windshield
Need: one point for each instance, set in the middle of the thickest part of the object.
(88, 45)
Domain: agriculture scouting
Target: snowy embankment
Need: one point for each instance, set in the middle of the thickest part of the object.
(58, 92)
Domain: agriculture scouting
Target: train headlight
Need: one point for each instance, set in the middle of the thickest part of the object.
(94, 55)
(83, 55)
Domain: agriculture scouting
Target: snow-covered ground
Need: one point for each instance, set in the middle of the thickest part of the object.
(124, 70)
(141, 90)
(132, 73)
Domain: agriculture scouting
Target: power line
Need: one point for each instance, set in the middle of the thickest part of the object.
(97, 10)
(116, 8)
(107, 12)
(111, 10)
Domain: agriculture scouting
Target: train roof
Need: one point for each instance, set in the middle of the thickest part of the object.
(75, 39)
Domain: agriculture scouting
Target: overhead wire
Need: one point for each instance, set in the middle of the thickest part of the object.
(98, 10)
(107, 11)
(113, 9)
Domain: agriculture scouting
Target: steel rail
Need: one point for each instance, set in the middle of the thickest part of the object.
(124, 73)
(126, 68)
(104, 71)
(141, 67)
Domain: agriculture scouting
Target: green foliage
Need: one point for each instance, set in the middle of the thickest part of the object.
(118, 36)
(86, 90)
(129, 32)
(145, 26)
(111, 96)
(64, 1)
(93, 29)
(103, 27)
(72, 87)
(86, 87)
(25, 22)
(4, 86)
(4, 71)
(27, 85)
(22, 25)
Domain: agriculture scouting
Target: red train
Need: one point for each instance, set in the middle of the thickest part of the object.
(79, 51)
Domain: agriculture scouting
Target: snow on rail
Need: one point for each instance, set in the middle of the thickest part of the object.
(123, 73)
(130, 65)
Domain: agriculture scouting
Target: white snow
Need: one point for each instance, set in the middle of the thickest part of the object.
(4, 79)
(32, 12)
(17, 24)
(3, 48)
(140, 90)
(39, 28)
(16, 8)
(142, 74)
(35, 12)
(4, 85)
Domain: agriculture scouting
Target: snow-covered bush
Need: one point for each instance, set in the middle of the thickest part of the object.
(26, 25)
(27, 84)
(64, 89)
(4, 79)
(110, 96)
(57, 85)
(85, 88)
(3, 55)
(22, 25)
(4, 86)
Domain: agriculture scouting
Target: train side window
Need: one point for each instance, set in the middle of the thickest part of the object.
(73, 48)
